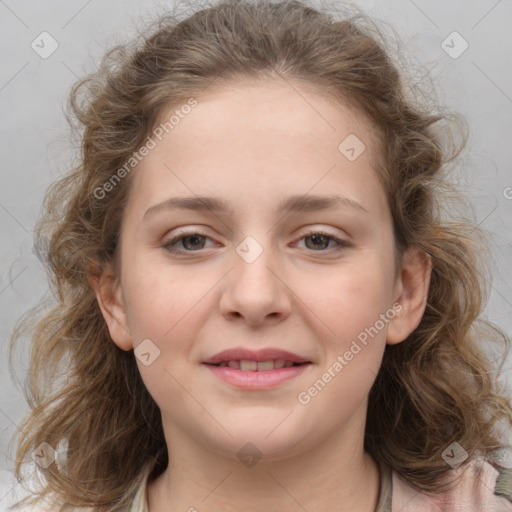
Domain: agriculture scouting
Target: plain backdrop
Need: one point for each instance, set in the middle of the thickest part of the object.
(475, 81)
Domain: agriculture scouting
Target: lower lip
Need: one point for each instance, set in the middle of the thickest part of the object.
(256, 380)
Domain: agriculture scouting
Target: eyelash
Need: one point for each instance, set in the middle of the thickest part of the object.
(168, 246)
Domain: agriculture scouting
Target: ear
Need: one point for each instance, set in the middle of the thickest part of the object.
(411, 291)
(110, 298)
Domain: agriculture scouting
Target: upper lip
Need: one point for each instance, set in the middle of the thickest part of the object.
(267, 354)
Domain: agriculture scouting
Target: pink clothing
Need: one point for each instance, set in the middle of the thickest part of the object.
(479, 488)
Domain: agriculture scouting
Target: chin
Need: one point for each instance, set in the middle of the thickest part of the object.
(259, 442)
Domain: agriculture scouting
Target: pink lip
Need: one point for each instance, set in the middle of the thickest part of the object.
(268, 354)
(256, 380)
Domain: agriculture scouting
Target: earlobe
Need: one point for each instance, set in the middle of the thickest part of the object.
(109, 295)
(413, 285)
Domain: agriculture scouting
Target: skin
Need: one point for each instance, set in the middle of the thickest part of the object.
(254, 144)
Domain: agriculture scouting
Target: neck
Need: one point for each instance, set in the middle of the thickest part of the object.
(336, 476)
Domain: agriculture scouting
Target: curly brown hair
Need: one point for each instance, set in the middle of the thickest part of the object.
(436, 387)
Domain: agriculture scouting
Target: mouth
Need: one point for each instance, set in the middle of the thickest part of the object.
(250, 365)
(262, 360)
(256, 370)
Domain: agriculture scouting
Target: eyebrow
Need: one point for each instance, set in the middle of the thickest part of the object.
(292, 204)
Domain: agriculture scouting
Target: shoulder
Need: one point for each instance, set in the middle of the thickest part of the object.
(477, 486)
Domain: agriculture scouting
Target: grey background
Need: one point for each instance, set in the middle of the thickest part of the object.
(35, 147)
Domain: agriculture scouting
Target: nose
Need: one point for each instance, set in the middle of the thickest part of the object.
(255, 289)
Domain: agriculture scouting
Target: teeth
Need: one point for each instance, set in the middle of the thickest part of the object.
(260, 366)
(279, 363)
(265, 366)
(248, 366)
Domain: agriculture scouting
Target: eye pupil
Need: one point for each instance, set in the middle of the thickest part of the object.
(195, 237)
(317, 238)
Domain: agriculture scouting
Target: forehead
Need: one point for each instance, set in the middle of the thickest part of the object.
(259, 139)
(282, 110)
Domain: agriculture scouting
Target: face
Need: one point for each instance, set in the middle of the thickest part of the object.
(313, 286)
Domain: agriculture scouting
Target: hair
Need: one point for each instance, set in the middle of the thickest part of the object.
(434, 388)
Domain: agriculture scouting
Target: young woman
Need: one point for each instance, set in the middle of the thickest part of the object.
(261, 303)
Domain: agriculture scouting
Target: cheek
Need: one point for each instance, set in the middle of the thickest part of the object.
(168, 312)
(159, 300)
(353, 297)
(353, 348)
(169, 309)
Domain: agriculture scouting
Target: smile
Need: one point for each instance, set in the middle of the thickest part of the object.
(250, 369)
(256, 375)
(247, 365)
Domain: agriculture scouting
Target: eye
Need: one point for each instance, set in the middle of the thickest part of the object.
(195, 241)
(320, 241)
(192, 241)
